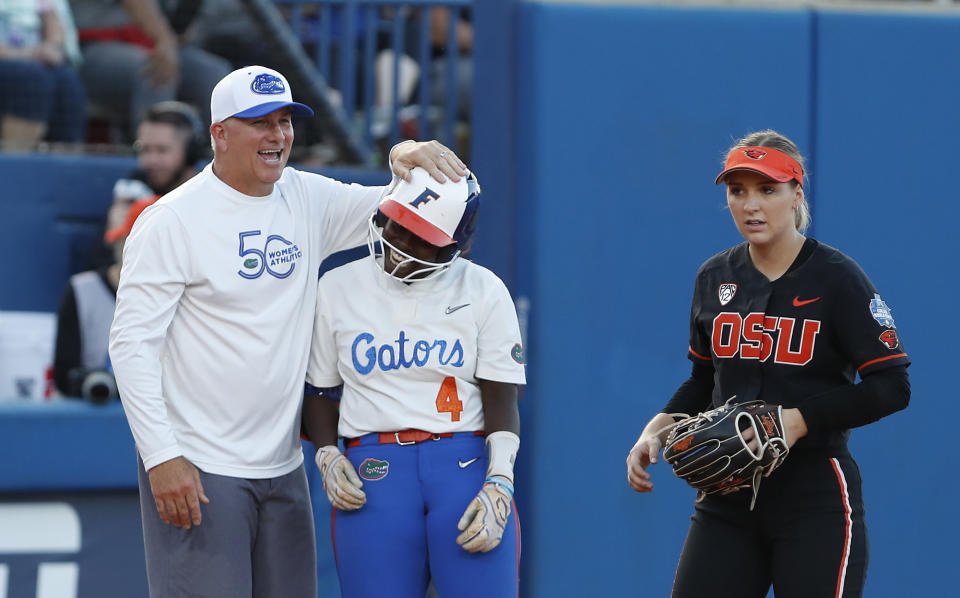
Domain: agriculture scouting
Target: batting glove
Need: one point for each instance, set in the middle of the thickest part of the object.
(486, 516)
(340, 480)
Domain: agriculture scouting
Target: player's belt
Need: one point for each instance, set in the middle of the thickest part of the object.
(405, 437)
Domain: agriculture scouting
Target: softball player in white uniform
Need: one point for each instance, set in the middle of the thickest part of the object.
(427, 348)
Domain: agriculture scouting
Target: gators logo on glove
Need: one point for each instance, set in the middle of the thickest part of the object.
(709, 450)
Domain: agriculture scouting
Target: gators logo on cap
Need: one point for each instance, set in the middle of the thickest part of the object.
(250, 262)
(754, 154)
(265, 83)
(373, 469)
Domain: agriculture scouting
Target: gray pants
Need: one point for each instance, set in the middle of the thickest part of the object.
(256, 541)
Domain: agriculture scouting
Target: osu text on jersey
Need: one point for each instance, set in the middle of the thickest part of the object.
(758, 336)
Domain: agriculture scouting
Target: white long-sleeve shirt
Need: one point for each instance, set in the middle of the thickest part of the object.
(212, 330)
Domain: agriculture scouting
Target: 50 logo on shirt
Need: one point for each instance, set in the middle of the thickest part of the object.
(278, 257)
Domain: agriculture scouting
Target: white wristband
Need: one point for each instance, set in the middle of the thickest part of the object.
(502, 447)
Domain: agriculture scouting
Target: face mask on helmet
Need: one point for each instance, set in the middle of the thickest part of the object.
(442, 214)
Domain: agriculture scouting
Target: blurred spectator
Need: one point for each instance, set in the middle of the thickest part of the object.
(440, 23)
(171, 141)
(440, 20)
(81, 363)
(169, 146)
(43, 97)
(135, 54)
(225, 28)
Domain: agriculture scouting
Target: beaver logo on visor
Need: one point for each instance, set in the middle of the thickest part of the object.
(754, 154)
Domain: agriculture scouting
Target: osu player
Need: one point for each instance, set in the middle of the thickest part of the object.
(787, 320)
(427, 347)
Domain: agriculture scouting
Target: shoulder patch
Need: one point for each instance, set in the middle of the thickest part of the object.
(881, 312)
(726, 292)
(890, 339)
(517, 353)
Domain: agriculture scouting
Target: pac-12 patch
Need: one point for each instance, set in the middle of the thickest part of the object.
(890, 339)
(373, 469)
(726, 292)
(880, 312)
(517, 353)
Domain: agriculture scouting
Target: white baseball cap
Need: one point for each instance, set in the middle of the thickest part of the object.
(252, 91)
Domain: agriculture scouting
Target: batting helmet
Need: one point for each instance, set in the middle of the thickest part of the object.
(442, 214)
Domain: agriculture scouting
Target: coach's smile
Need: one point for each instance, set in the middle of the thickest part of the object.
(271, 155)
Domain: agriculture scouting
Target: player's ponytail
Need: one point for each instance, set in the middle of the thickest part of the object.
(778, 141)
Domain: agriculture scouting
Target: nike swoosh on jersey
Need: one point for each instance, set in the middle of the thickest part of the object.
(797, 302)
(451, 308)
(463, 464)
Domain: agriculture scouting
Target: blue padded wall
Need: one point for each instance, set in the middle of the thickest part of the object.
(886, 145)
(52, 209)
(624, 124)
(623, 115)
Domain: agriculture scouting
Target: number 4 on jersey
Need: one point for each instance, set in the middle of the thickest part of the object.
(447, 399)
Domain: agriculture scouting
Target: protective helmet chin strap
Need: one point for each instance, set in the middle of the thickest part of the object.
(429, 269)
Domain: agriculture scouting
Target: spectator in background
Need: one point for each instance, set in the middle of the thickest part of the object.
(43, 97)
(440, 23)
(81, 364)
(440, 20)
(135, 54)
(221, 23)
(171, 142)
(169, 147)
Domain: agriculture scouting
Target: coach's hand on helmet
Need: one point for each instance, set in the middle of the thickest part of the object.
(440, 161)
(340, 479)
(486, 516)
(178, 492)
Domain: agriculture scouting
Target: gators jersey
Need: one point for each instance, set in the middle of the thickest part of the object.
(811, 330)
(409, 355)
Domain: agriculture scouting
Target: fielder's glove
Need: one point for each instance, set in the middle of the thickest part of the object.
(340, 479)
(486, 516)
(710, 452)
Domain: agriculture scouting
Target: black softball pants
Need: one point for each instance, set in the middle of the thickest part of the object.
(806, 535)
